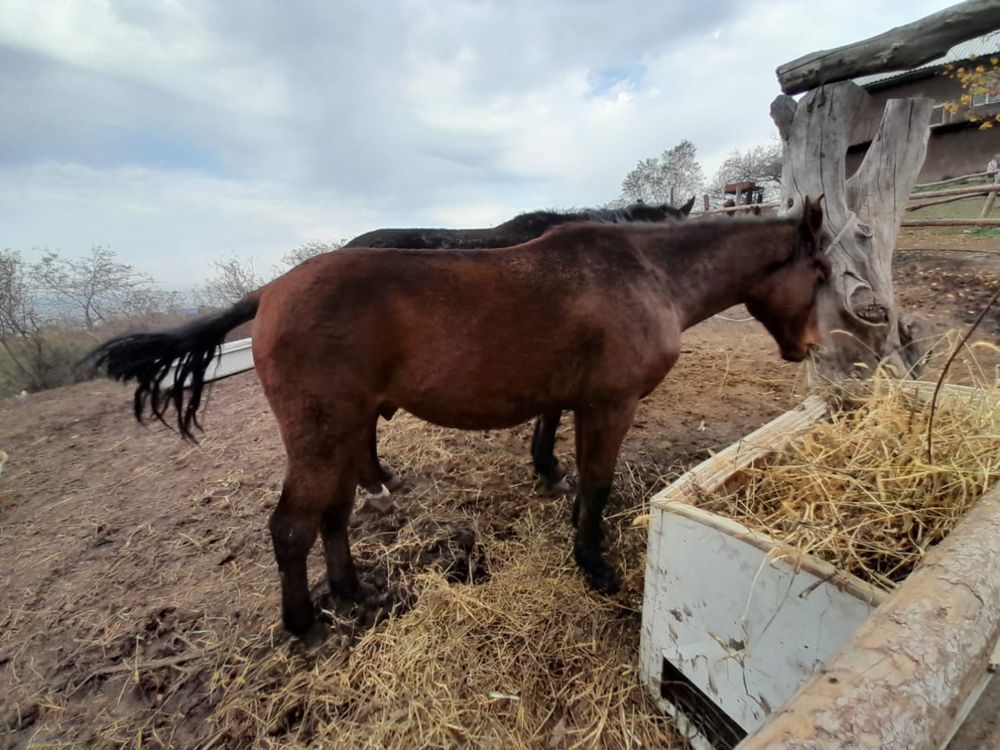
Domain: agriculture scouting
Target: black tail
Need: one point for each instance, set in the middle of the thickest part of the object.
(149, 359)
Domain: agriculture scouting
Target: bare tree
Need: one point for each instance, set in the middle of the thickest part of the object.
(676, 173)
(33, 356)
(20, 326)
(760, 164)
(95, 288)
(234, 278)
(304, 252)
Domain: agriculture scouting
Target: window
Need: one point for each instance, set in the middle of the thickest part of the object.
(981, 100)
(941, 116)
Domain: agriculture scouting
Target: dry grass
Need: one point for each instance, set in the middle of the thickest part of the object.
(859, 490)
(524, 657)
(528, 658)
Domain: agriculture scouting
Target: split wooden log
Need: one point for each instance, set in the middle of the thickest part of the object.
(901, 681)
(901, 48)
(859, 320)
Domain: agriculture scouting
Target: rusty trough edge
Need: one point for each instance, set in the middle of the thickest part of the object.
(902, 680)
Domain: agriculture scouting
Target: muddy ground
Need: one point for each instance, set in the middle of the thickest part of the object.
(133, 566)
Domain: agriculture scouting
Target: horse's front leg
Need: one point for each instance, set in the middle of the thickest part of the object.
(599, 435)
(543, 456)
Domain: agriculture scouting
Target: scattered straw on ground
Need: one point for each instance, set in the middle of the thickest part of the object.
(528, 658)
(494, 644)
(858, 490)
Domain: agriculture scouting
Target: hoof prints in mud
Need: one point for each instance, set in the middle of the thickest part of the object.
(403, 550)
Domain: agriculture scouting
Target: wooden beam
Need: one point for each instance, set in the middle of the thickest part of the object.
(968, 190)
(903, 677)
(901, 48)
(952, 223)
(974, 176)
(742, 208)
(938, 202)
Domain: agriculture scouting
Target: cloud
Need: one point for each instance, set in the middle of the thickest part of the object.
(170, 224)
(181, 131)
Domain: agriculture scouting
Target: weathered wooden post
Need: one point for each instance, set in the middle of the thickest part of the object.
(859, 318)
(860, 321)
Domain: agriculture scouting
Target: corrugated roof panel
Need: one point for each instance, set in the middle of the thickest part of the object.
(980, 45)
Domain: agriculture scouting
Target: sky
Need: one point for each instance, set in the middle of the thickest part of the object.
(177, 132)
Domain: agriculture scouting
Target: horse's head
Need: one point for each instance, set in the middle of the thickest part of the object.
(663, 212)
(785, 299)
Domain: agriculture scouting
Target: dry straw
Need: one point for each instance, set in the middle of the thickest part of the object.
(526, 657)
(858, 490)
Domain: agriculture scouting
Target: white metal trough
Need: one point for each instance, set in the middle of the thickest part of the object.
(735, 623)
(234, 357)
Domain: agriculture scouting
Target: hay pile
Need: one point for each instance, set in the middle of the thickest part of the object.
(528, 658)
(523, 657)
(858, 490)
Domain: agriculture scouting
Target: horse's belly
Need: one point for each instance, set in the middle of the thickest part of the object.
(474, 411)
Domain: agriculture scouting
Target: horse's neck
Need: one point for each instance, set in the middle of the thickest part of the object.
(708, 276)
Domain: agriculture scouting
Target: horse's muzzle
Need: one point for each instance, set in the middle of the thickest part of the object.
(799, 354)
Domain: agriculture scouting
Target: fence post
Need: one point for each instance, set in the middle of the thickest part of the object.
(988, 206)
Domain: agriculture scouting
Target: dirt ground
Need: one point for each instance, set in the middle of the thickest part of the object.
(137, 583)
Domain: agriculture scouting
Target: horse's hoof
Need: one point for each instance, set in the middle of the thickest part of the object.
(357, 593)
(380, 501)
(315, 636)
(391, 480)
(299, 623)
(599, 575)
(602, 579)
(564, 486)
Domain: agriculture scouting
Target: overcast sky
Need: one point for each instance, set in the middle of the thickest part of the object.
(178, 131)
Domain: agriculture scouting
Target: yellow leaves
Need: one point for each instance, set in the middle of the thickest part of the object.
(986, 125)
(976, 79)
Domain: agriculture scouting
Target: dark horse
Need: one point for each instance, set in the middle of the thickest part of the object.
(586, 318)
(376, 478)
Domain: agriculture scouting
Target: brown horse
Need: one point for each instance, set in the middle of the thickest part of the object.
(375, 477)
(586, 318)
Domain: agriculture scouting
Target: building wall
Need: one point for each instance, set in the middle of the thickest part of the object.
(952, 150)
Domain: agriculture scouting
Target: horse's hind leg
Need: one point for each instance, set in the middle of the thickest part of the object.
(543, 445)
(599, 435)
(318, 495)
(293, 530)
(376, 479)
(340, 571)
(372, 474)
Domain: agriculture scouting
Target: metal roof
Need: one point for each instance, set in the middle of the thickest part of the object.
(981, 45)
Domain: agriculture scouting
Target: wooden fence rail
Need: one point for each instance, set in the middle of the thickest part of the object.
(989, 189)
(974, 176)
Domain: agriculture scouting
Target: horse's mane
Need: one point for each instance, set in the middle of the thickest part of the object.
(548, 218)
(519, 229)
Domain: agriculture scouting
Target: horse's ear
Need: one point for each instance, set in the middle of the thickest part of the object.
(812, 216)
(686, 208)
